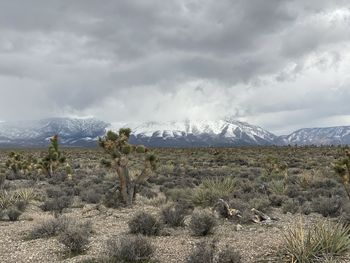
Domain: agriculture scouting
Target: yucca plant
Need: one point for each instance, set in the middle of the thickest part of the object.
(213, 189)
(317, 243)
(25, 194)
(11, 198)
(7, 199)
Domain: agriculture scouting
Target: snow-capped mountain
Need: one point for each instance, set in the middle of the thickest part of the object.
(84, 132)
(226, 132)
(318, 136)
(75, 132)
(188, 133)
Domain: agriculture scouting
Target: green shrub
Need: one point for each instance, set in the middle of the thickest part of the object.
(145, 224)
(129, 249)
(202, 223)
(323, 240)
(13, 213)
(173, 215)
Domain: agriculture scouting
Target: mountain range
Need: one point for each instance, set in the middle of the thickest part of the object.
(225, 132)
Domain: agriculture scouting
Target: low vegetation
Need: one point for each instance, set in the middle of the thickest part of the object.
(138, 205)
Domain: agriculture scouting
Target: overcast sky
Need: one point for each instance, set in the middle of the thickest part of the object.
(280, 64)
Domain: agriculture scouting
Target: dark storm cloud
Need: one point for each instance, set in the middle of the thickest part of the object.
(88, 57)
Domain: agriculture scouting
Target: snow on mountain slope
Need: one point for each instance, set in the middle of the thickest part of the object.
(224, 132)
(188, 133)
(319, 136)
(36, 133)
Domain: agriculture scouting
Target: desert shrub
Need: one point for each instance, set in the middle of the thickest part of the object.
(212, 189)
(145, 224)
(292, 190)
(49, 228)
(180, 195)
(261, 204)
(173, 215)
(327, 206)
(306, 208)
(112, 198)
(208, 252)
(345, 215)
(2, 213)
(129, 249)
(277, 200)
(246, 216)
(147, 192)
(324, 183)
(91, 196)
(2, 179)
(229, 255)
(13, 213)
(239, 204)
(291, 206)
(57, 204)
(204, 252)
(75, 237)
(202, 223)
(323, 240)
(54, 192)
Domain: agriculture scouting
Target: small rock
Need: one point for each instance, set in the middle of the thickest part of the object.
(239, 227)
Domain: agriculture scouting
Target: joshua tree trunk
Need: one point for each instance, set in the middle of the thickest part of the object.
(127, 183)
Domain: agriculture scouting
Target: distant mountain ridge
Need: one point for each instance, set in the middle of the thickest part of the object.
(337, 135)
(225, 132)
(72, 132)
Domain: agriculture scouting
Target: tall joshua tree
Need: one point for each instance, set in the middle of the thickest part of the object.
(54, 159)
(119, 153)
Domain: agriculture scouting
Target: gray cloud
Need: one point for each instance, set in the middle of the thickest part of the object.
(277, 63)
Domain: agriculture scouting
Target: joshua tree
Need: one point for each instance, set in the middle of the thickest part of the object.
(119, 151)
(51, 162)
(20, 165)
(342, 168)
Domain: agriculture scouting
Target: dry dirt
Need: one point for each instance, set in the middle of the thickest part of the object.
(256, 243)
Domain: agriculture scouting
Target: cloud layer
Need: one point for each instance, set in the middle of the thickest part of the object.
(277, 63)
